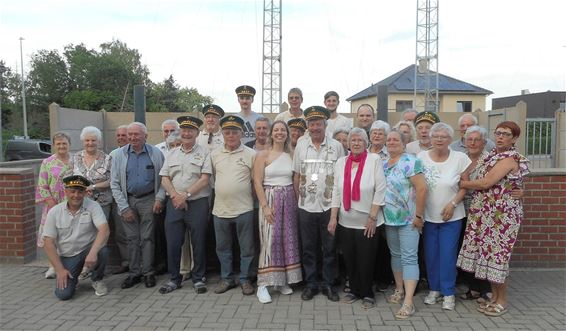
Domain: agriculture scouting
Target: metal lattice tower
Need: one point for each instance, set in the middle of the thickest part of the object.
(271, 80)
(426, 73)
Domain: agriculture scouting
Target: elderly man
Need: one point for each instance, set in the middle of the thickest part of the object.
(336, 121)
(260, 142)
(75, 235)
(136, 187)
(211, 135)
(464, 122)
(313, 178)
(365, 116)
(185, 176)
(121, 135)
(295, 99)
(246, 95)
(167, 127)
(423, 122)
(409, 114)
(233, 204)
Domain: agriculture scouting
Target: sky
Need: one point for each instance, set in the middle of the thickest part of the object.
(504, 46)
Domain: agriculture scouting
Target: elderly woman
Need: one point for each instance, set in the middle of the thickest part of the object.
(357, 198)
(279, 259)
(342, 136)
(404, 209)
(50, 190)
(495, 216)
(444, 213)
(407, 128)
(94, 164)
(377, 133)
(173, 140)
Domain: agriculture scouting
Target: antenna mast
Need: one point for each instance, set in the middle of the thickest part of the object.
(271, 80)
(426, 62)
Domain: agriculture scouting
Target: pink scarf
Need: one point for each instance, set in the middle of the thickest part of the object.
(353, 193)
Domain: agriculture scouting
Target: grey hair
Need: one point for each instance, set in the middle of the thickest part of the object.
(404, 139)
(139, 124)
(91, 130)
(411, 126)
(174, 136)
(409, 110)
(169, 122)
(360, 132)
(476, 128)
(461, 118)
(264, 119)
(441, 126)
(380, 125)
(339, 131)
(123, 126)
(295, 90)
(61, 135)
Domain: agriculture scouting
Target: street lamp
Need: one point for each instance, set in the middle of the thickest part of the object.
(23, 91)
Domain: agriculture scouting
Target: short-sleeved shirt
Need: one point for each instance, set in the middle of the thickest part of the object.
(414, 147)
(340, 122)
(442, 179)
(140, 172)
(401, 196)
(249, 126)
(233, 176)
(287, 115)
(73, 234)
(184, 168)
(459, 146)
(216, 142)
(316, 171)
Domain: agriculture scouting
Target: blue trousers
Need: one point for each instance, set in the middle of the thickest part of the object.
(75, 265)
(223, 228)
(403, 243)
(441, 252)
(177, 222)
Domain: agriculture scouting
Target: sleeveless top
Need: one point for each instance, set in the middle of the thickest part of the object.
(279, 172)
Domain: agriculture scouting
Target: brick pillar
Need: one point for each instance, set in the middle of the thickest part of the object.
(17, 215)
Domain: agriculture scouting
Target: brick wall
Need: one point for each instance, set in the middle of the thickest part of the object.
(542, 237)
(17, 215)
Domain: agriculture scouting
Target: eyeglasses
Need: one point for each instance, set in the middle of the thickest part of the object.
(294, 98)
(440, 137)
(502, 133)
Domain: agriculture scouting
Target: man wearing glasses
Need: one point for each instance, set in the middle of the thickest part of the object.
(295, 99)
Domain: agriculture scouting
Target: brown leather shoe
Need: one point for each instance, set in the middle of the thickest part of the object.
(223, 286)
(247, 288)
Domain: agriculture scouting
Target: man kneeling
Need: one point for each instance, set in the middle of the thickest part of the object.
(75, 235)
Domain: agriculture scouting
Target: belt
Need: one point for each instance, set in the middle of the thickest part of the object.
(139, 196)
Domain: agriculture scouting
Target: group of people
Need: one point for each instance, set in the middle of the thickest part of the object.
(295, 194)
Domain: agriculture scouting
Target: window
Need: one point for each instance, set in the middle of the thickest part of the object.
(463, 106)
(401, 105)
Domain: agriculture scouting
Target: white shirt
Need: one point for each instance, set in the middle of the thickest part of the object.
(442, 179)
(414, 147)
(340, 122)
(162, 146)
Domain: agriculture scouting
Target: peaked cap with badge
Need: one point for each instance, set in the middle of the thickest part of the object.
(213, 109)
(76, 181)
(427, 116)
(232, 122)
(245, 90)
(298, 123)
(316, 113)
(190, 122)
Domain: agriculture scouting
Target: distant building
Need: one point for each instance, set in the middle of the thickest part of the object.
(454, 95)
(539, 105)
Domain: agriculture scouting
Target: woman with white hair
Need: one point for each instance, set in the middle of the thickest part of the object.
(94, 164)
(357, 198)
(377, 135)
(407, 128)
(444, 212)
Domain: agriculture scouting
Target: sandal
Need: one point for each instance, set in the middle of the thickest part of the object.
(495, 310)
(470, 296)
(349, 298)
(396, 297)
(168, 287)
(368, 303)
(405, 312)
(484, 305)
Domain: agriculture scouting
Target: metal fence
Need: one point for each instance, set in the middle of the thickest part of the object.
(540, 143)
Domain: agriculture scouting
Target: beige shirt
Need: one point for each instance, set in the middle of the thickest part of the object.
(73, 233)
(233, 175)
(316, 170)
(286, 116)
(340, 122)
(184, 168)
(414, 147)
(217, 140)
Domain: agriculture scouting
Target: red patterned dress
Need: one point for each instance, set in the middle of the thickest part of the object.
(494, 219)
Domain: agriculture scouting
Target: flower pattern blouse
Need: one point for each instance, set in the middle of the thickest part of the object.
(98, 172)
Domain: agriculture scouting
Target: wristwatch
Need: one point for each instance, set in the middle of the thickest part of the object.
(188, 195)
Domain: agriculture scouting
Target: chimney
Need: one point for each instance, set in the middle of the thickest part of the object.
(525, 91)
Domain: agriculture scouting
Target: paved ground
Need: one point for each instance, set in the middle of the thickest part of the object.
(537, 298)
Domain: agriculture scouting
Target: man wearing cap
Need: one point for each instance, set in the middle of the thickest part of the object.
(297, 128)
(365, 116)
(211, 135)
(246, 95)
(423, 123)
(233, 204)
(313, 179)
(262, 125)
(75, 235)
(336, 121)
(295, 99)
(464, 122)
(185, 176)
(136, 187)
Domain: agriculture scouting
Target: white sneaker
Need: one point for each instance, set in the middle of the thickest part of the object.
(285, 289)
(50, 273)
(263, 294)
(100, 288)
(85, 273)
(449, 302)
(432, 298)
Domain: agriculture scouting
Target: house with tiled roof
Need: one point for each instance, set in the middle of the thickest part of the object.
(454, 95)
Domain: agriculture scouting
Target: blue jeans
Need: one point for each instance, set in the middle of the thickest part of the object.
(223, 228)
(75, 265)
(441, 252)
(403, 242)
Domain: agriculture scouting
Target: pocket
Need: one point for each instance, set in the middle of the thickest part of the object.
(150, 173)
(63, 227)
(195, 167)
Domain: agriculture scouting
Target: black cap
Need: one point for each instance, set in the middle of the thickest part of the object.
(316, 113)
(213, 109)
(76, 181)
(245, 90)
(190, 122)
(427, 116)
(298, 123)
(232, 121)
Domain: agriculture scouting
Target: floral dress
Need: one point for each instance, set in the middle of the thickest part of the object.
(50, 185)
(493, 221)
(98, 172)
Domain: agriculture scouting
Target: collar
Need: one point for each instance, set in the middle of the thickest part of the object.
(206, 133)
(81, 209)
(239, 149)
(131, 150)
(324, 141)
(190, 150)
